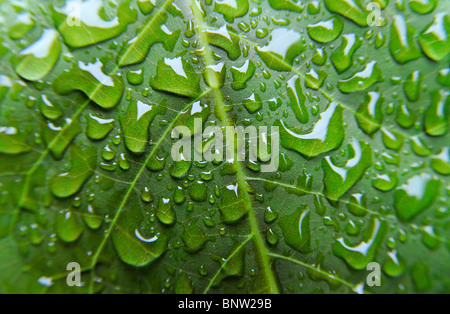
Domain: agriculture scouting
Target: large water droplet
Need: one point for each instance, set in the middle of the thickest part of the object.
(338, 180)
(135, 124)
(435, 40)
(154, 31)
(285, 45)
(296, 230)
(106, 91)
(326, 31)
(81, 23)
(68, 226)
(359, 256)
(36, 61)
(132, 245)
(370, 113)
(83, 164)
(231, 9)
(176, 76)
(416, 195)
(342, 58)
(232, 204)
(403, 45)
(361, 81)
(352, 10)
(328, 134)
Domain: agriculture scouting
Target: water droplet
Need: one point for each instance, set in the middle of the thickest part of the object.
(92, 27)
(338, 180)
(165, 212)
(296, 230)
(232, 204)
(436, 121)
(194, 237)
(253, 103)
(21, 26)
(413, 85)
(405, 117)
(98, 129)
(231, 9)
(423, 7)
(135, 124)
(215, 75)
(153, 32)
(342, 58)
(434, 41)
(68, 226)
(91, 219)
(320, 57)
(289, 5)
(326, 31)
(242, 75)
(443, 78)
(392, 140)
(225, 38)
(370, 114)
(414, 197)
(430, 238)
(297, 99)
(361, 81)
(359, 256)
(386, 182)
(83, 164)
(106, 91)
(12, 141)
(176, 76)
(441, 163)
(352, 10)
(146, 6)
(394, 266)
(327, 135)
(36, 61)
(403, 45)
(198, 191)
(132, 244)
(285, 45)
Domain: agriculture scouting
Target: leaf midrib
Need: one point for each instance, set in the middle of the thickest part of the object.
(259, 242)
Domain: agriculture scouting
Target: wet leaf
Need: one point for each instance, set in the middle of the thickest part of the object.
(90, 94)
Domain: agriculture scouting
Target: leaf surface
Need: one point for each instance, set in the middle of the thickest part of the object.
(87, 108)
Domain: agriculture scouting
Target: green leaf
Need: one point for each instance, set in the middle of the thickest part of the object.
(90, 94)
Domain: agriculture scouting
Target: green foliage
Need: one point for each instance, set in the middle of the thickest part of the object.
(86, 175)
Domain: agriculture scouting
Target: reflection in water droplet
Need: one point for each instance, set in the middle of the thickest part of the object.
(88, 14)
(285, 45)
(106, 91)
(176, 76)
(327, 134)
(359, 256)
(403, 45)
(342, 58)
(361, 81)
(326, 31)
(414, 197)
(435, 40)
(36, 61)
(338, 180)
